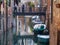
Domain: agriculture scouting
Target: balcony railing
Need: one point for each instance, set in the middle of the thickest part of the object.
(29, 11)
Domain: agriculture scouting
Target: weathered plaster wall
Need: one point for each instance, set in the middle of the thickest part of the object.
(55, 26)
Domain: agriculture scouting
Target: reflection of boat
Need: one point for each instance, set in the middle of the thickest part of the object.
(36, 19)
(43, 39)
(37, 22)
(40, 26)
(41, 33)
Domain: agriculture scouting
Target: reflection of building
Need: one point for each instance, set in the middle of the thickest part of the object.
(21, 19)
(1, 23)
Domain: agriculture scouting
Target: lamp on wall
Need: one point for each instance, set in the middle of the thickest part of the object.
(57, 3)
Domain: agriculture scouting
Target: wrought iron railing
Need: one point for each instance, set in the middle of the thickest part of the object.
(30, 11)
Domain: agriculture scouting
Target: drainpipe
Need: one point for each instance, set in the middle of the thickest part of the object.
(17, 25)
(6, 24)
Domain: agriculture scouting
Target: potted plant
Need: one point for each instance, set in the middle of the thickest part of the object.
(31, 6)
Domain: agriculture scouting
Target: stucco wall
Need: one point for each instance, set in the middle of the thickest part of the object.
(55, 26)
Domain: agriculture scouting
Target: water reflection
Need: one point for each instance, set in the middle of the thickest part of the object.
(25, 28)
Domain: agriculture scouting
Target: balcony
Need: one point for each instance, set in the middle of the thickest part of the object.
(29, 11)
